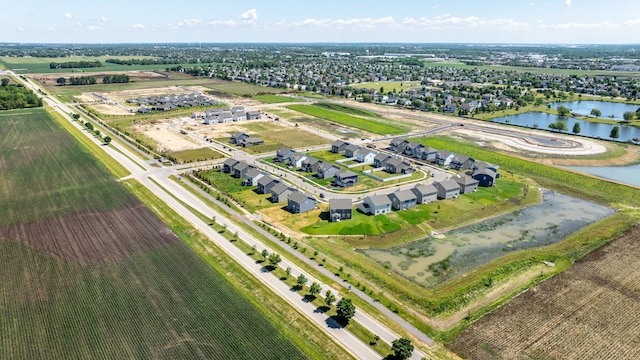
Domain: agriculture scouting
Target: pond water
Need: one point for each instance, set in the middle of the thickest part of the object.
(624, 174)
(431, 261)
(610, 110)
(591, 129)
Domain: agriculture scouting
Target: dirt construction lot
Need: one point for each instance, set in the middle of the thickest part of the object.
(591, 311)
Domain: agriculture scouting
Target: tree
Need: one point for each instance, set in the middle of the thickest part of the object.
(5, 82)
(596, 112)
(329, 298)
(315, 289)
(558, 125)
(107, 140)
(61, 81)
(274, 260)
(539, 101)
(576, 128)
(367, 98)
(346, 310)
(264, 254)
(628, 116)
(401, 348)
(75, 116)
(563, 110)
(301, 280)
(288, 272)
(615, 132)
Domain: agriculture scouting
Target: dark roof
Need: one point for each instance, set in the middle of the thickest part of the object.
(345, 174)
(266, 180)
(311, 160)
(279, 188)
(283, 151)
(241, 166)
(465, 180)
(448, 184)
(394, 162)
(299, 197)
(444, 153)
(340, 204)
(253, 173)
(460, 158)
(326, 166)
(379, 200)
(485, 171)
(352, 147)
(425, 189)
(230, 162)
(382, 157)
(404, 195)
(252, 140)
(339, 143)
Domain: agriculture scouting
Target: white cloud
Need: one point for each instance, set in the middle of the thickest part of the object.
(249, 15)
(568, 2)
(365, 22)
(223, 23)
(67, 15)
(79, 23)
(632, 22)
(604, 24)
(308, 23)
(19, 29)
(103, 19)
(51, 29)
(189, 22)
(137, 26)
(447, 21)
(93, 28)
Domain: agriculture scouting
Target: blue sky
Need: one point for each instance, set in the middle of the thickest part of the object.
(425, 21)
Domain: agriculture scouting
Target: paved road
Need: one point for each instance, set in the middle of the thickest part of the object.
(141, 171)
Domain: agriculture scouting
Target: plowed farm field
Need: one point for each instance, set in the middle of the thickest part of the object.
(591, 311)
(88, 272)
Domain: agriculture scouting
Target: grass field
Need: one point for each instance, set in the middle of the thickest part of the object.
(591, 311)
(280, 135)
(90, 272)
(389, 85)
(195, 155)
(374, 126)
(276, 99)
(347, 110)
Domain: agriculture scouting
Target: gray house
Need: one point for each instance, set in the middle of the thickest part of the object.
(447, 189)
(236, 137)
(397, 166)
(296, 159)
(280, 192)
(299, 202)
(467, 184)
(350, 150)
(376, 205)
(425, 193)
(345, 178)
(485, 165)
(251, 115)
(283, 154)
(340, 209)
(444, 158)
(427, 153)
(461, 162)
(240, 170)
(403, 199)
(310, 164)
(266, 183)
(227, 165)
(380, 160)
(251, 141)
(412, 148)
(398, 145)
(327, 170)
(252, 176)
(338, 146)
(365, 156)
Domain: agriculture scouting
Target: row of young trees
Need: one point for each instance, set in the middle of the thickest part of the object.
(75, 65)
(116, 79)
(77, 80)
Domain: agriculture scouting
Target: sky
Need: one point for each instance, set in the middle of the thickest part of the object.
(291, 21)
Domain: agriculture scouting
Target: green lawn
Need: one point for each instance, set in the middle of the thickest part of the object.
(188, 156)
(374, 126)
(276, 99)
(347, 110)
(223, 181)
(283, 135)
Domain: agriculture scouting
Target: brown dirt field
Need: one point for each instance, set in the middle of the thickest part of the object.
(591, 311)
(90, 237)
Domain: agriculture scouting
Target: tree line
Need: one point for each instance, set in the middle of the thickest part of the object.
(16, 96)
(115, 79)
(75, 65)
(141, 61)
(77, 80)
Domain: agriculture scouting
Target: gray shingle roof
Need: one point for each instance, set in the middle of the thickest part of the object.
(340, 204)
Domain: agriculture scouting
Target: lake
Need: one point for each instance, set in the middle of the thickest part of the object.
(431, 261)
(591, 129)
(624, 174)
(610, 110)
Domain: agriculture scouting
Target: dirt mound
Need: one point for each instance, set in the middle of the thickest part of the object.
(89, 237)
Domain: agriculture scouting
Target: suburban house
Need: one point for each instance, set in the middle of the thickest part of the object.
(296, 159)
(350, 150)
(447, 189)
(310, 164)
(376, 205)
(299, 202)
(340, 209)
(380, 160)
(467, 184)
(338, 146)
(252, 176)
(425, 193)
(426, 153)
(398, 145)
(226, 117)
(403, 199)
(227, 165)
(485, 165)
(485, 177)
(365, 156)
(251, 115)
(443, 158)
(280, 192)
(327, 170)
(461, 162)
(412, 149)
(283, 154)
(266, 183)
(240, 170)
(345, 178)
(251, 141)
(236, 137)
(211, 120)
(397, 166)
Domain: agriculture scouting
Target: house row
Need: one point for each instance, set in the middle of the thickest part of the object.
(323, 169)
(358, 153)
(420, 194)
(297, 201)
(168, 102)
(226, 116)
(244, 140)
